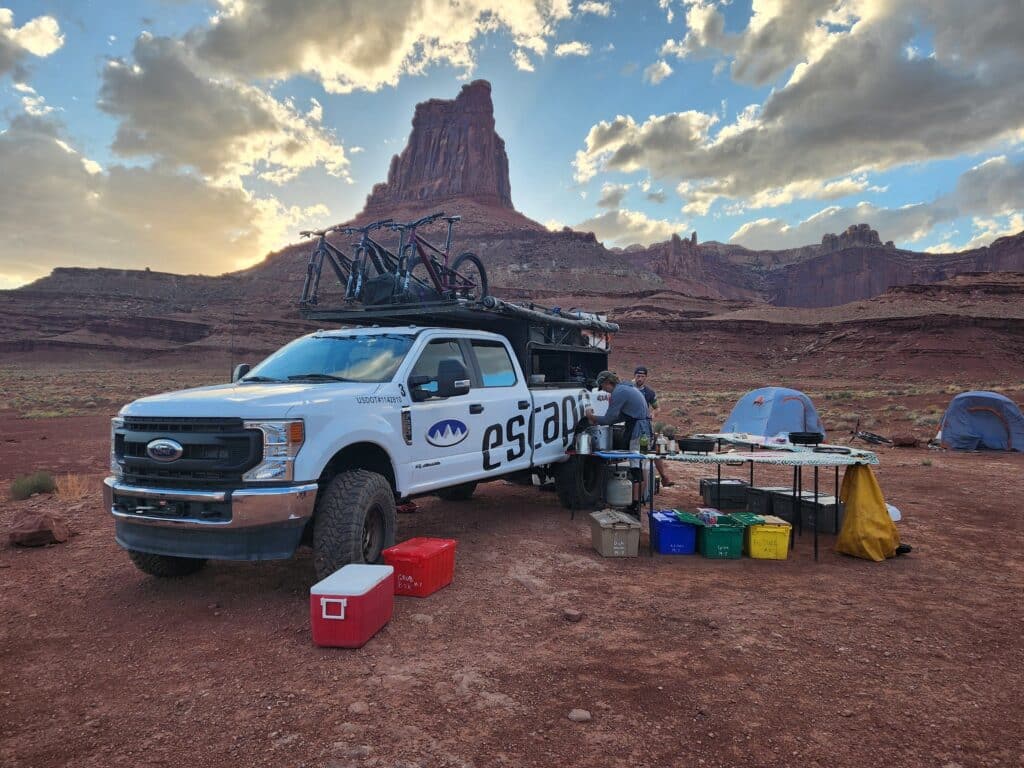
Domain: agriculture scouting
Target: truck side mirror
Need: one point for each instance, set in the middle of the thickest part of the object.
(452, 379)
(416, 388)
(240, 370)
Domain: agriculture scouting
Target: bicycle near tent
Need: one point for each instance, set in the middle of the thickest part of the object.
(868, 437)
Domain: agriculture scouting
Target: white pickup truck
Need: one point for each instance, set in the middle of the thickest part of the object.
(319, 443)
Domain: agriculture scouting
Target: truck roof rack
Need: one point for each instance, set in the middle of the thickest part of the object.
(563, 346)
(573, 327)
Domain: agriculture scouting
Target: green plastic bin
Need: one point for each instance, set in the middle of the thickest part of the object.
(721, 542)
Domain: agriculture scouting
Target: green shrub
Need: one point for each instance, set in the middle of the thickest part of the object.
(37, 482)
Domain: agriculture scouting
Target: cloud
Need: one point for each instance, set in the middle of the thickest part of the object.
(624, 145)
(522, 61)
(991, 192)
(612, 195)
(657, 72)
(623, 227)
(55, 205)
(366, 46)
(39, 37)
(32, 102)
(172, 110)
(987, 230)
(853, 102)
(779, 35)
(596, 8)
(573, 48)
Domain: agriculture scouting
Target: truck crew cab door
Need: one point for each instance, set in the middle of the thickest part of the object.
(446, 431)
(500, 390)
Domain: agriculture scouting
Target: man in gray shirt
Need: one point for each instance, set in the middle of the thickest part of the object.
(628, 405)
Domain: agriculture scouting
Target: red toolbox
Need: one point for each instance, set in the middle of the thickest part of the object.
(351, 605)
(422, 565)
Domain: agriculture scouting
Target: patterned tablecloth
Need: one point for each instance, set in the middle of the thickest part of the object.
(785, 458)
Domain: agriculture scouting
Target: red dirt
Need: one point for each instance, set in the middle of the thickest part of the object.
(681, 660)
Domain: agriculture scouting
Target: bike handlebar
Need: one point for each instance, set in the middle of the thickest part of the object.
(317, 232)
(425, 220)
(364, 230)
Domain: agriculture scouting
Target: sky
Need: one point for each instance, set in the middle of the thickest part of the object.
(196, 137)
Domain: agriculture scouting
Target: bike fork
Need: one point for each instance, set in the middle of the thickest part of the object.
(354, 286)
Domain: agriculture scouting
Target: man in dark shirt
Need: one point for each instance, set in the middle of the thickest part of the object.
(627, 405)
(640, 382)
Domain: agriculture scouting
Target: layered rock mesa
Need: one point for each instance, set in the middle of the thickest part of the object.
(453, 151)
(855, 236)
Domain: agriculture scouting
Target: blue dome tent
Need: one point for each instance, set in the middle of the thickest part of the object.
(982, 421)
(770, 411)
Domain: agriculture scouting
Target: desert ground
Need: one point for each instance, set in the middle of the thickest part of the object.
(680, 660)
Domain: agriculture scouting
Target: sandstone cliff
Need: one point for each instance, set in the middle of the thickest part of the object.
(453, 151)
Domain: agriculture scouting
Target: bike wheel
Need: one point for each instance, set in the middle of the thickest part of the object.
(467, 277)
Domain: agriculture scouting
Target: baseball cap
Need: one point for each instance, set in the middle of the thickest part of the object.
(604, 376)
(640, 369)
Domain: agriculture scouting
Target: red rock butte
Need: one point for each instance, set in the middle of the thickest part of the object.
(453, 151)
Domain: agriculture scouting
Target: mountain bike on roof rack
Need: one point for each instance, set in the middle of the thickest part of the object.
(368, 254)
(323, 251)
(421, 263)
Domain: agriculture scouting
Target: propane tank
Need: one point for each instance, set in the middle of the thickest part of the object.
(619, 490)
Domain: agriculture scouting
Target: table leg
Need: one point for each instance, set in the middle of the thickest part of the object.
(795, 501)
(814, 514)
(650, 517)
(835, 520)
(718, 489)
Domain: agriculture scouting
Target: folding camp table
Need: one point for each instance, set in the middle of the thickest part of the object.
(798, 458)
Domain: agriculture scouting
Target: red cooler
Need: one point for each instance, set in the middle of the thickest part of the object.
(422, 565)
(351, 605)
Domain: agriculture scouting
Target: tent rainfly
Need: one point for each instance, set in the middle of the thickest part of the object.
(982, 421)
(770, 411)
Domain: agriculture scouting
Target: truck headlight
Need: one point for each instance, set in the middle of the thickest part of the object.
(281, 443)
(116, 468)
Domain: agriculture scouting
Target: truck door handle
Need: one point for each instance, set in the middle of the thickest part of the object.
(476, 408)
(524, 404)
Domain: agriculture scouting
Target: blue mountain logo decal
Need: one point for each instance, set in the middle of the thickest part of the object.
(447, 433)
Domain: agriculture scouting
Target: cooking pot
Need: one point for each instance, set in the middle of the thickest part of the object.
(601, 437)
(593, 439)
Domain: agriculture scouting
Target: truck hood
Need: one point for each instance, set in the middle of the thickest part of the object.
(248, 401)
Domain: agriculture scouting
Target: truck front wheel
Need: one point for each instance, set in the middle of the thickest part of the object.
(578, 482)
(355, 521)
(165, 566)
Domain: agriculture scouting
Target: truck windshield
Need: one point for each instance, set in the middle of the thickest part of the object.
(363, 358)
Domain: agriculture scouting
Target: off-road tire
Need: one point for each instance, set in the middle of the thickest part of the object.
(165, 566)
(578, 483)
(463, 492)
(483, 289)
(345, 529)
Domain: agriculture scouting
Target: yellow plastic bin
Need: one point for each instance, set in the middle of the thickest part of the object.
(769, 541)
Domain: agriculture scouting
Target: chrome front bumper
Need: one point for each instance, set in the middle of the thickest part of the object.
(250, 507)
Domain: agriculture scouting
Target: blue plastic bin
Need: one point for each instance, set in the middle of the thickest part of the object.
(671, 537)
